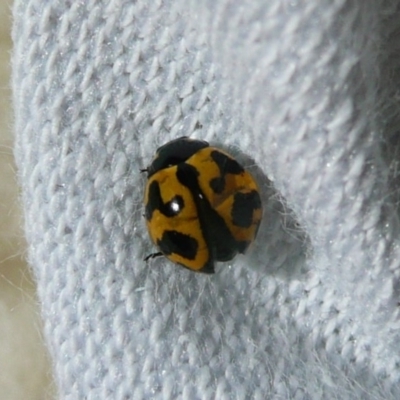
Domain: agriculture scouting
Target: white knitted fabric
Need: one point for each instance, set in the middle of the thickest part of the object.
(304, 92)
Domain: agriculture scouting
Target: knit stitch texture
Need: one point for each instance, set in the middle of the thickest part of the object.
(304, 93)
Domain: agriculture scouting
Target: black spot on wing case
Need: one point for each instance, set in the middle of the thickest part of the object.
(226, 165)
(178, 243)
(174, 242)
(244, 205)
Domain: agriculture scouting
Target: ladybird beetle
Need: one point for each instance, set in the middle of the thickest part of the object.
(201, 205)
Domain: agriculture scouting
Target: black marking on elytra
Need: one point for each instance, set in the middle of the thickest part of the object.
(218, 184)
(169, 209)
(243, 207)
(220, 241)
(175, 152)
(226, 165)
(178, 243)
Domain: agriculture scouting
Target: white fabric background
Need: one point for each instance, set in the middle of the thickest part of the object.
(304, 93)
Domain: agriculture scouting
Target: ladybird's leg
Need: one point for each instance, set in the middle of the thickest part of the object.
(153, 255)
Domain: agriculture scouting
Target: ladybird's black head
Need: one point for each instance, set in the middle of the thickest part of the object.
(175, 152)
